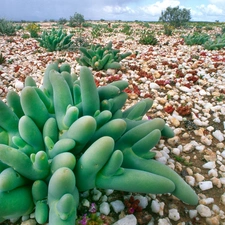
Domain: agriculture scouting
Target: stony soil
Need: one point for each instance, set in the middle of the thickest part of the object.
(187, 84)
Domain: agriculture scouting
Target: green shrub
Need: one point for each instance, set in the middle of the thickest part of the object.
(86, 24)
(25, 36)
(33, 29)
(148, 38)
(126, 29)
(168, 30)
(55, 40)
(62, 21)
(96, 31)
(175, 16)
(76, 20)
(7, 28)
(223, 30)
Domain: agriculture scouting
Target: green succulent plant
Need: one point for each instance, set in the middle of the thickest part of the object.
(99, 57)
(215, 44)
(7, 28)
(148, 38)
(196, 38)
(68, 131)
(55, 40)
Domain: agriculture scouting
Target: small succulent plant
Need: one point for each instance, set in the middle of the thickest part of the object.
(69, 136)
(101, 57)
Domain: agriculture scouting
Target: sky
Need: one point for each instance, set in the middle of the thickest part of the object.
(125, 10)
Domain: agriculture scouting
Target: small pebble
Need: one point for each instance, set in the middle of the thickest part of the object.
(205, 185)
(174, 214)
(193, 213)
(218, 135)
(204, 211)
(104, 208)
(209, 165)
(127, 220)
(117, 206)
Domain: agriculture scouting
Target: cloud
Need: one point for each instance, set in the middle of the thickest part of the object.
(118, 10)
(210, 10)
(219, 2)
(149, 10)
(156, 8)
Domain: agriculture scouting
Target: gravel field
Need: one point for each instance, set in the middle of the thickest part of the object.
(187, 84)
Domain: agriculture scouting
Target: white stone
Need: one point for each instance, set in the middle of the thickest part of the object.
(19, 85)
(206, 201)
(208, 105)
(204, 211)
(176, 151)
(199, 177)
(202, 92)
(159, 107)
(127, 220)
(218, 135)
(190, 180)
(216, 208)
(164, 221)
(117, 206)
(174, 214)
(217, 120)
(206, 140)
(223, 154)
(222, 180)
(193, 213)
(143, 201)
(185, 89)
(29, 222)
(154, 86)
(213, 173)
(96, 194)
(200, 147)
(188, 147)
(222, 168)
(86, 203)
(104, 208)
(209, 165)
(200, 123)
(104, 198)
(174, 121)
(109, 191)
(205, 185)
(155, 206)
(223, 198)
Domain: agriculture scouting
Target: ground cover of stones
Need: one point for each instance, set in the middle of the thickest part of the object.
(187, 84)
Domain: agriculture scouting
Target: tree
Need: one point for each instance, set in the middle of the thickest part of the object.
(175, 16)
(76, 20)
(62, 21)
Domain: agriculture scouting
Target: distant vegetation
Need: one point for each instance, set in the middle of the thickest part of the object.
(175, 16)
(170, 23)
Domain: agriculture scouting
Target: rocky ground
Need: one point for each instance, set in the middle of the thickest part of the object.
(187, 84)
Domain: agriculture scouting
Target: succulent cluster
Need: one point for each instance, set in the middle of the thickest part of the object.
(196, 38)
(7, 28)
(55, 40)
(148, 38)
(69, 136)
(215, 44)
(101, 57)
